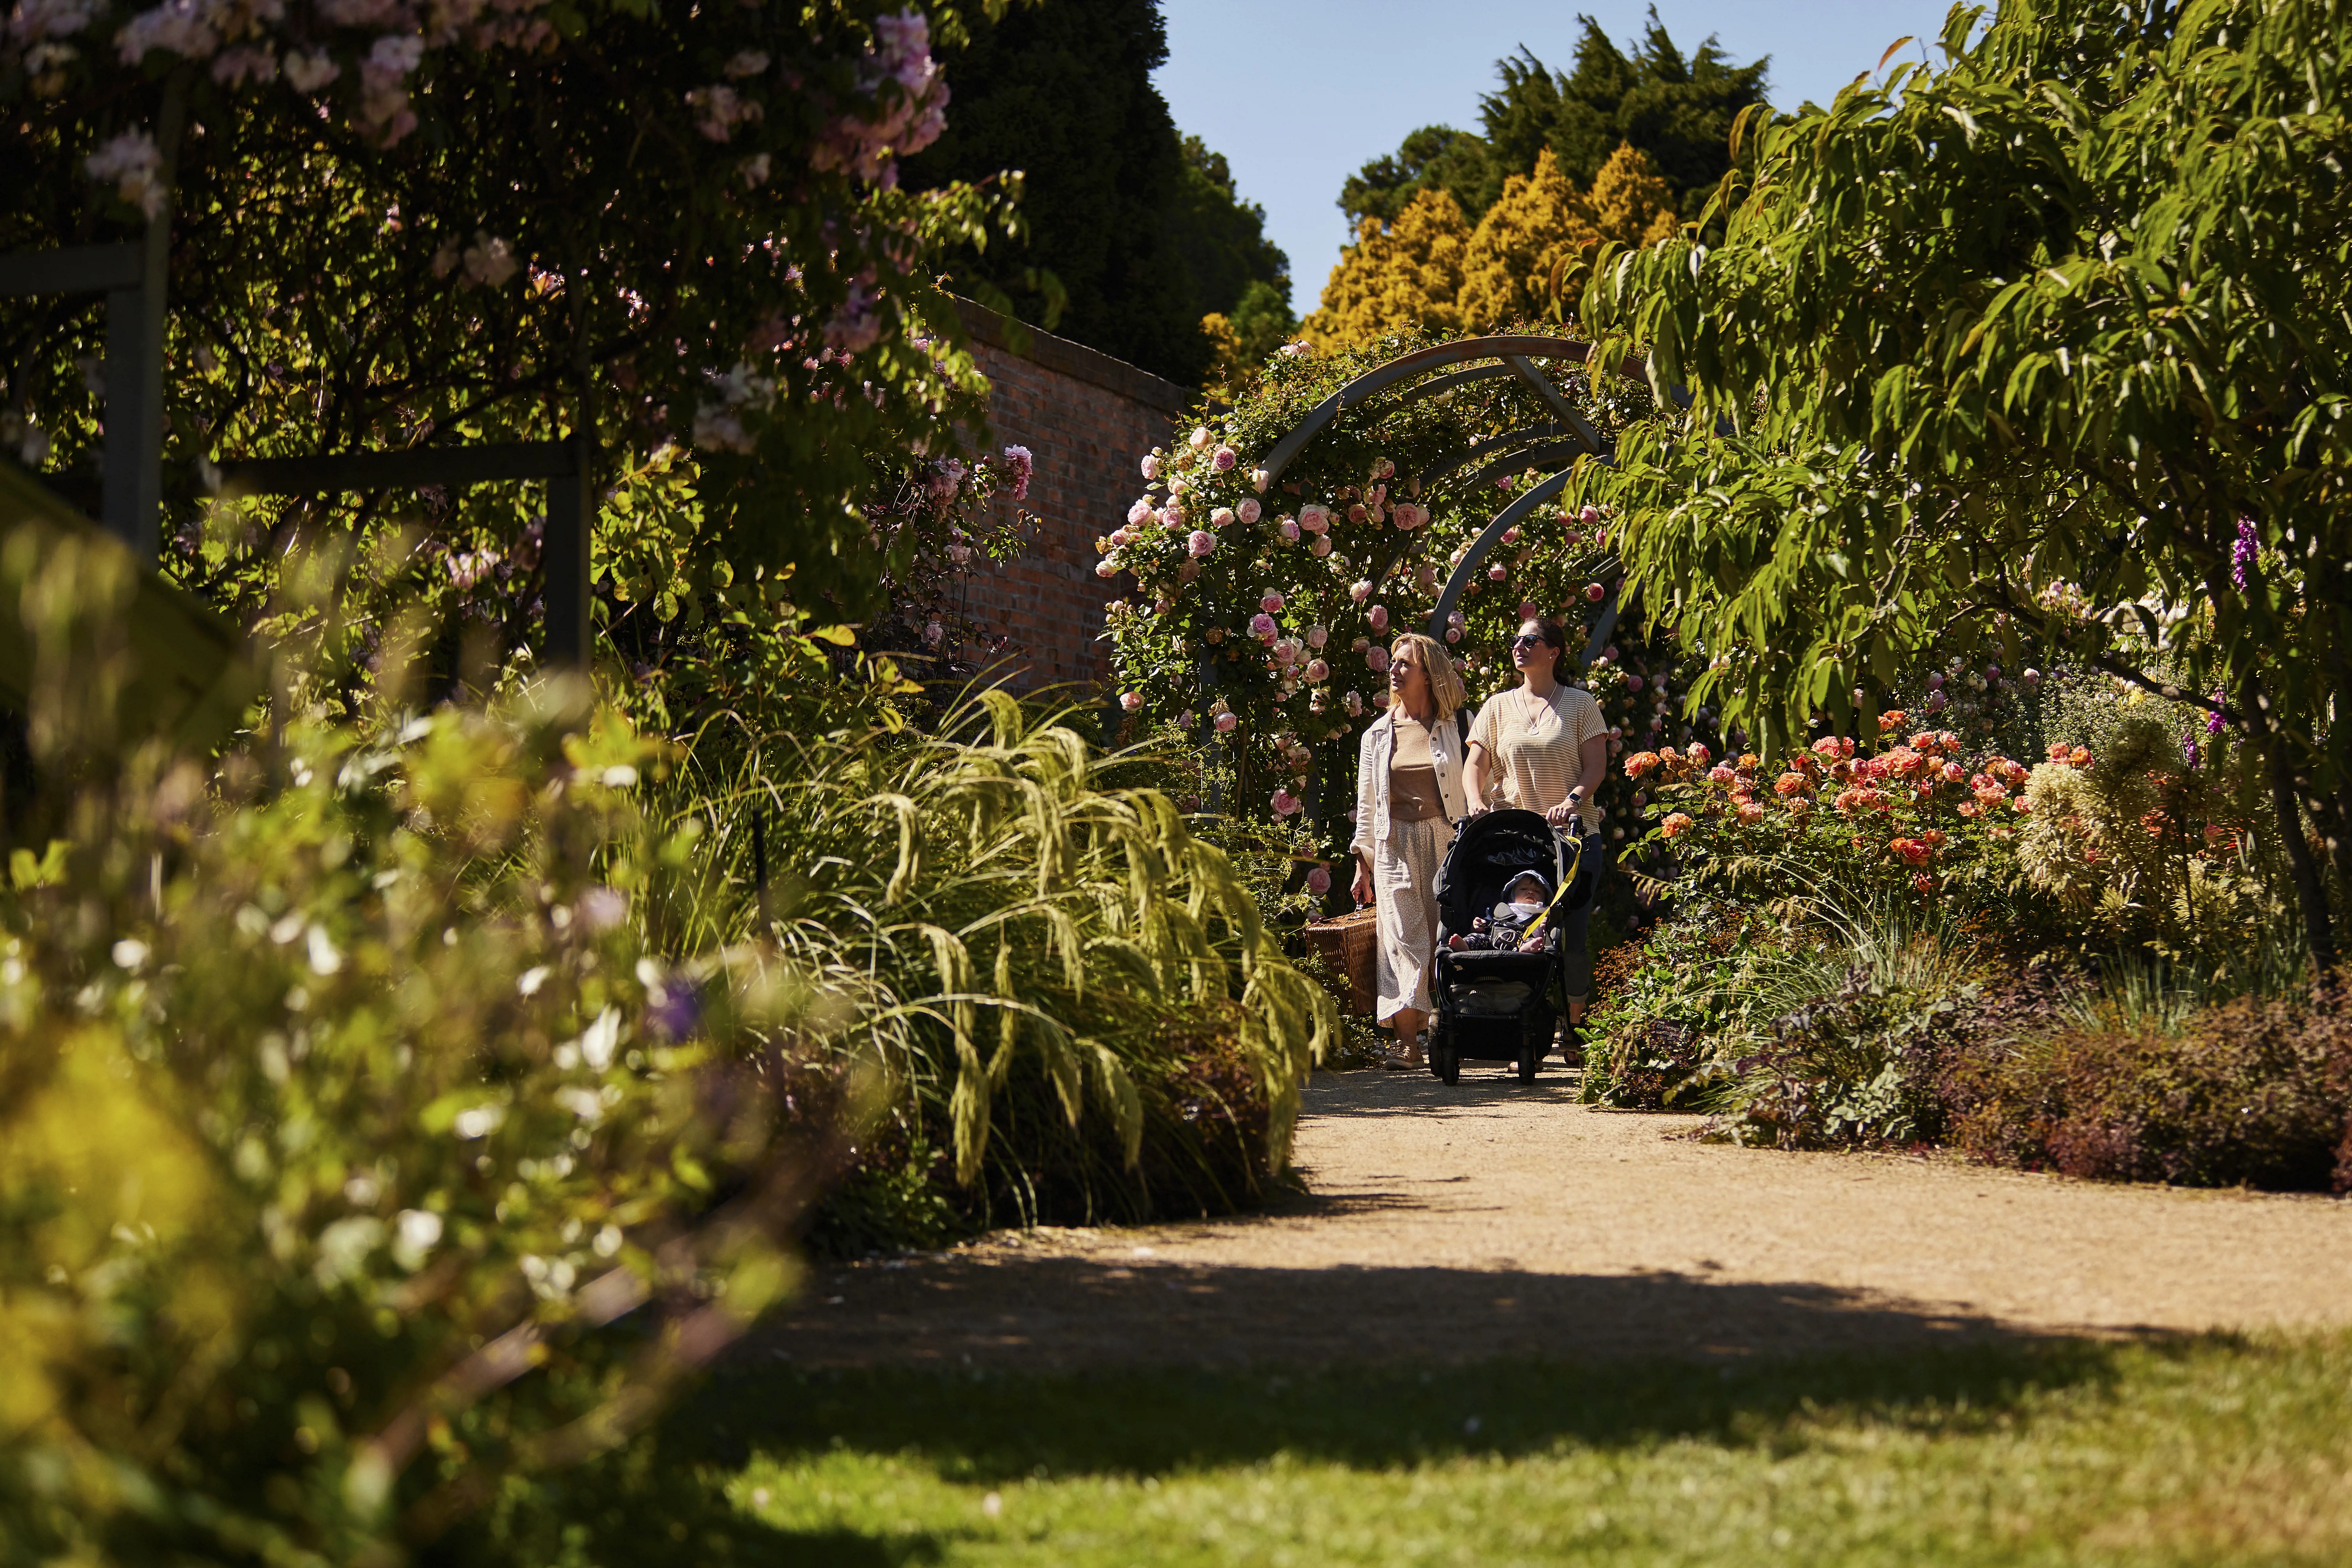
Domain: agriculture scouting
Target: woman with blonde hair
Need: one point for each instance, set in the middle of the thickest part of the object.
(1409, 795)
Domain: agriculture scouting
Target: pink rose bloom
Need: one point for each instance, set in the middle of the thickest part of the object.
(1284, 803)
(1289, 532)
(1354, 703)
(1511, 535)
(1200, 438)
(1361, 591)
(1594, 592)
(1378, 658)
(1698, 751)
(1270, 603)
(1259, 479)
(1172, 515)
(1221, 518)
(1139, 510)
(1261, 627)
(1318, 881)
(1131, 701)
(1954, 772)
(1105, 570)
(1720, 775)
(1408, 516)
(1226, 723)
(1202, 543)
(1381, 698)
(1528, 611)
(1453, 634)
(1590, 514)
(1152, 467)
(1249, 510)
(1223, 459)
(1497, 573)
(1314, 518)
(1322, 545)
(1317, 670)
(1633, 683)
(1357, 513)
(1317, 635)
(1380, 617)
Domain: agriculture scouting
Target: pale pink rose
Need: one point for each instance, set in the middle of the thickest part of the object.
(1322, 545)
(1317, 671)
(1289, 532)
(1378, 658)
(1354, 703)
(1453, 634)
(1223, 459)
(1591, 514)
(1152, 467)
(1510, 536)
(1249, 511)
(1270, 603)
(1633, 683)
(1314, 518)
(1201, 437)
(1285, 804)
(1357, 513)
(1261, 627)
(1202, 541)
(1103, 569)
(1318, 881)
(1177, 486)
(1259, 479)
(1226, 723)
(1381, 698)
(1497, 573)
(1221, 518)
(1380, 617)
(1698, 752)
(1172, 516)
(1141, 510)
(1317, 635)
(1131, 701)
(1528, 611)
(1360, 591)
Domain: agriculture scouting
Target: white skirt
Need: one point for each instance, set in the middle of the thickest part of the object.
(1404, 890)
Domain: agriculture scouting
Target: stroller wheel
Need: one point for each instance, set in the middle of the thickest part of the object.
(1447, 1064)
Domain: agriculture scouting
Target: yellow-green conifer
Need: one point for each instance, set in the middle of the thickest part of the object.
(1398, 278)
(1630, 202)
(1539, 223)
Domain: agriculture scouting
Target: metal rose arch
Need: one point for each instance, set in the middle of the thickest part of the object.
(1553, 447)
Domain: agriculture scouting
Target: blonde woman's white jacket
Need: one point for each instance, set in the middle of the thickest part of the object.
(1373, 755)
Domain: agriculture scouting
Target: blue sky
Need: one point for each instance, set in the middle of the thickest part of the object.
(1301, 93)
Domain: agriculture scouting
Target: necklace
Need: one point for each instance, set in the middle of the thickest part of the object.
(1531, 707)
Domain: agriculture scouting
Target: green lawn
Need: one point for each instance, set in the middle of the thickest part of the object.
(2216, 1451)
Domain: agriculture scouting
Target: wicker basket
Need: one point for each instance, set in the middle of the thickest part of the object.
(1347, 944)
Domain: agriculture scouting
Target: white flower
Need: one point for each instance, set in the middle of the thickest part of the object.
(132, 161)
(130, 954)
(489, 261)
(414, 1234)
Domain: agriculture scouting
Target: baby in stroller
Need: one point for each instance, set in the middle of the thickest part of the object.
(1517, 922)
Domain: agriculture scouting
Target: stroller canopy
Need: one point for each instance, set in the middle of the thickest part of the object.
(1492, 849)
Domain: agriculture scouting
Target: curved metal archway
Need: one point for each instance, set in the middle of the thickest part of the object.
(1553, 447)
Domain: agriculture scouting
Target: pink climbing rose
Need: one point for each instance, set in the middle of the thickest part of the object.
(1202, 543)
(1249, 511)
(1380, 617)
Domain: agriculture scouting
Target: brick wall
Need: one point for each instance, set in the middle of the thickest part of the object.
(1089, 419)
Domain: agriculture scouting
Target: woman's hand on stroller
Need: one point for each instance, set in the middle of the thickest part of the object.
(1566, 811)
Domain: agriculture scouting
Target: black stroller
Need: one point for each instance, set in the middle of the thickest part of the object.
(1501, 1006)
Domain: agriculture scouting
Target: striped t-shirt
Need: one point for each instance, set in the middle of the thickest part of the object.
(1536, 748)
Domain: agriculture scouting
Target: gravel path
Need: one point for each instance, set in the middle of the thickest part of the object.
(1499, 1219)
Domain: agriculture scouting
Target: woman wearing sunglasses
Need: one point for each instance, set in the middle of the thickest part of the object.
(1543, 746)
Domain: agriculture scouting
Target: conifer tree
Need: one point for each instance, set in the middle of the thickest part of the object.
(1630, 202)
(1399, 278)
(1539, 221)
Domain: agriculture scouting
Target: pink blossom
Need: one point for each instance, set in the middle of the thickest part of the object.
(1151, 467)
(1497, 573)
(1318, 881)
(1357, 513)
(1270, 603)
(1594, 592)
(1954, 772)
(1285, 804)
(130, 161)
(1528, 611)
(1259, 479)
(1202, 543)
(1317, 671)
(1141, 510)
(1223, 459)
(1591, 514)
(1221, 518)
(1361, 591)
(1226, 723)
(1322, 545)
(1380, 617)
(1381, 698)
(1262, 626)
(1698, 752)
(1289, 532)
(1633, 683)
(1024, 464)
(1131, 701)
(1378, 658)
(1314, 518)
(1249, 511)
(1200, 438)
(1354, 703)
(1510, 535)
(1172, 516)
(1317, 635)
(1453, 633)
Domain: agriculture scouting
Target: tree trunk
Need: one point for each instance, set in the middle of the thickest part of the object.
(2310, 891)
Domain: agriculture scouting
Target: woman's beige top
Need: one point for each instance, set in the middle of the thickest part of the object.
(1413, 794)
(1536, 748)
